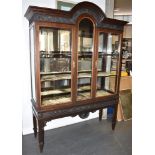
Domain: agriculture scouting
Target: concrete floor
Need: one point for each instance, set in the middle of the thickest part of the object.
(86, 138)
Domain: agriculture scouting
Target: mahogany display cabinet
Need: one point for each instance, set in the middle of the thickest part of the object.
(71, 56)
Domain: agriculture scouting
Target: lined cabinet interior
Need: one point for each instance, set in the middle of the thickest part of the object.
(57, 65)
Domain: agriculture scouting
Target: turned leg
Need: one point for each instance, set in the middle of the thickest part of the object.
(34, 126)
(41, 134)
(114, 117)
(100, 114)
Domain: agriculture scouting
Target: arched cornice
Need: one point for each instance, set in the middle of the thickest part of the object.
(35, 13)
(88, 8)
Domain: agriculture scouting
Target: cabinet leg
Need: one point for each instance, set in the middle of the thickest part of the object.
(114, 117)
(34, 126)
(100, 114)
(41, 135)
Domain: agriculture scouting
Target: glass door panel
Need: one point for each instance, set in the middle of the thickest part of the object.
(85, 52)
(55, 65)
(33, 87)
(107, 64)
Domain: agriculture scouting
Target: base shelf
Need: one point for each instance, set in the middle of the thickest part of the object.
(83, 96)
(100, 93)
(56, 100)
(61, 99)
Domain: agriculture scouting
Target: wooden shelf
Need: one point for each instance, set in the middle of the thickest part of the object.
(55, 77)
(55, 54)
(63, 91)
(66, 72)
(55, 91)
(68, 76)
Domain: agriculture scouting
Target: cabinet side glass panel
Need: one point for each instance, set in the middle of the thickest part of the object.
(107, 64)
(55, 65)
(32, 61)
(85, 52)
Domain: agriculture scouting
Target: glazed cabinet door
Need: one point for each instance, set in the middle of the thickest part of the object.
(85, 59)
(55, 65)
(107, 63)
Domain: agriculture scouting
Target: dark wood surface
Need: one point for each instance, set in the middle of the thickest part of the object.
(35, 13)
(46, 17)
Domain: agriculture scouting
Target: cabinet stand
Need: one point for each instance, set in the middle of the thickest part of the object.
(100, 114)
(41, 118)
(41, 134)
(34, 126)
(114, 117)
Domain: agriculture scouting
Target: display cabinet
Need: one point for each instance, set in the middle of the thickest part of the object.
(71, 56)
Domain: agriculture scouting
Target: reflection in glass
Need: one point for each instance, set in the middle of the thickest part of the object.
(85, 49)
(55, 65)
(107, 63)
(32, 64)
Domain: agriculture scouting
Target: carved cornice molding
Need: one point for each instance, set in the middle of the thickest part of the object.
(34, 14)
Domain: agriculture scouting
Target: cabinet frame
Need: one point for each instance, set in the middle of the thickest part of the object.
(69, 20)
(38, 25)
